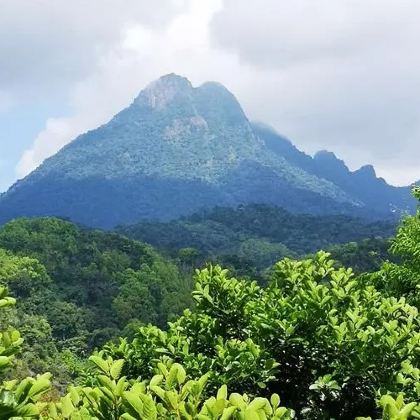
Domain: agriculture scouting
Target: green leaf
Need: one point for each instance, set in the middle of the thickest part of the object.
(228, 413)
(40, 386)
(67, 406)
(149, 407)
(135, 402)
(275, 400)
(116, 368)
(100, 363)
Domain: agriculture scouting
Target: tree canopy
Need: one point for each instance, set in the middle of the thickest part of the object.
(317, 341)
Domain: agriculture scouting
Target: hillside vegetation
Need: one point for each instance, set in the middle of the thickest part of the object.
(316, 342)
(78, 288)
(251, 238)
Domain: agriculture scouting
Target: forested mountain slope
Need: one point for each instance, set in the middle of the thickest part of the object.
(178, 149)
(253, 236)
(362, 184)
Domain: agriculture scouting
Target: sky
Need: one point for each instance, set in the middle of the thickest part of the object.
(340, 75)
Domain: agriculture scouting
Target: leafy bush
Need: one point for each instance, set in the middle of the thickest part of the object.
(402, 278)
(17, 399)
(324, 341)
(167, 395)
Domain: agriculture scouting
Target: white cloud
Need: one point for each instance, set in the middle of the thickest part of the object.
(336, 75)
(47, 44)
(281, 33)
(142, 54)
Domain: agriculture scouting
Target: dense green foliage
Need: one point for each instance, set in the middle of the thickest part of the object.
(402, 278)
(337, 342)
(367, 255)
(315, 335)
(167, 395)
(79, 288)
(325, 342)
(118, 398)
(28, 279)
(339, 345)
(252, 238)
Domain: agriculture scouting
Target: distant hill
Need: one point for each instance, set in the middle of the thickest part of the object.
(254, 237)
(178, 149)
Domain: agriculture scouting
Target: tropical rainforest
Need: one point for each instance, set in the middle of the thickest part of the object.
(251, 238)
(207, 325)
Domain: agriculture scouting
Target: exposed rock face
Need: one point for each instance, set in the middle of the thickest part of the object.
(160, 93)
(176, 149)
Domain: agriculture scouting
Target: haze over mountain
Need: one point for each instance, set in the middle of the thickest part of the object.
(177, 149)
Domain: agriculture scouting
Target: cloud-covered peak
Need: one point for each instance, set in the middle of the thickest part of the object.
(329, 161)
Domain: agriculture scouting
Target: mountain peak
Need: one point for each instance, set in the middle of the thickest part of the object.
(267, 128)
(329, 159)
(325, 155)
(214, 86)
(171, 79)
(163, 90)
(367, 170)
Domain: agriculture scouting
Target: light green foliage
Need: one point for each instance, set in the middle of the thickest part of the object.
(10, 340)
(23, 275)
(316, 335)
(397, 409)
(17, 399)
(402, 278)
(167, 395)
(20, 400)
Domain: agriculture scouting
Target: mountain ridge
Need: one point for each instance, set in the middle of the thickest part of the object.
(378, 195)
(177, 149)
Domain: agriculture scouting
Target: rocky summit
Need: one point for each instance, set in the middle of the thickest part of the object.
(177, 149)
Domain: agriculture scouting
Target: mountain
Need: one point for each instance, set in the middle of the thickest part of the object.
(177, 149)
(252, 238)
(363, 184)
